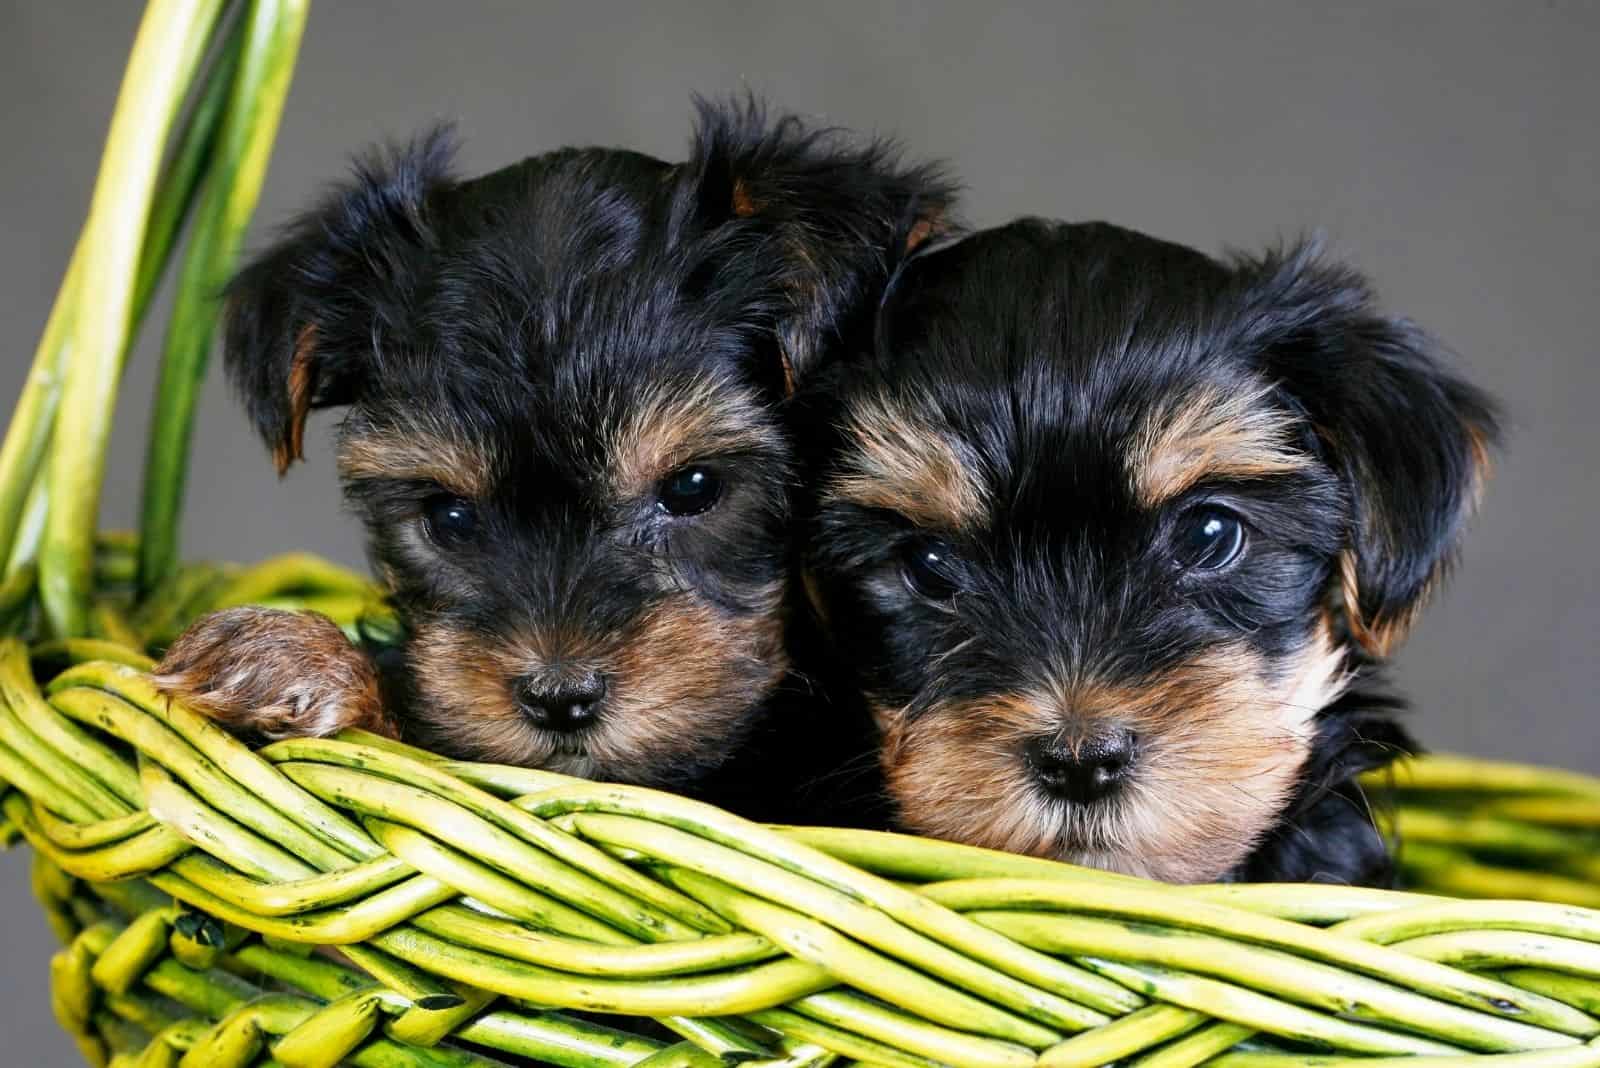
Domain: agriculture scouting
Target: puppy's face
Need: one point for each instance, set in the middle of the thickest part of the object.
(588, 552)
(563, 436)
(1096, 562)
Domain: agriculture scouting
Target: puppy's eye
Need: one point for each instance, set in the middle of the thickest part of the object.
(929, 568)
(1209, 539)
(688, 491)
(449, 521)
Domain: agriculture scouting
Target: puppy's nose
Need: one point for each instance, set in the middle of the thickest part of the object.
(1086, 770)
(567, 704)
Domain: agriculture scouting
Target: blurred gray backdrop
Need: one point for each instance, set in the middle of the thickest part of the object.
(1450, 149)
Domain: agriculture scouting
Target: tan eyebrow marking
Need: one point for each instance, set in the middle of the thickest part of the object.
(674, 424)
(899, 463)
(415, 452)
(1211, 434)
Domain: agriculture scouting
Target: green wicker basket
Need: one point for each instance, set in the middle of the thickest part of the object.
(354, 900)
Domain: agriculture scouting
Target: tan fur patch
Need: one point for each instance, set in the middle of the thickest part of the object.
(690, 678)
(924, 228)
(1482, 466)
(902, 465)
(271, 674)
(1221, 742)
(744, 205)
(1382, 635)
(673, 425)
(422, 450)
(1210, 434)
(301, 384)
(788, 350)
(682, 682)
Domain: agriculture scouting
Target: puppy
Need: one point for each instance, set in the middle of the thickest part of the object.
(1113, 536)
(563, 385)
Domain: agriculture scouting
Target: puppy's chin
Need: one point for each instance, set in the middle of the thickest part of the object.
(1137, 838)
(1174, 833)
(613, 750)
(503, 735)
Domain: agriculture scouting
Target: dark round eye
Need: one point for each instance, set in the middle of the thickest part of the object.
(928, 568)
(688, 491)
(450, 521)
(1209, 538)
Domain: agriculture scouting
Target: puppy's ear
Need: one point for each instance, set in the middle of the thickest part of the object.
(307, 318)
(901, 319)
(1412, 441)
(820, 219)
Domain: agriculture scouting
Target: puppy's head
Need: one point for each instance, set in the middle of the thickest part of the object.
(1104, 524)
(562, 382)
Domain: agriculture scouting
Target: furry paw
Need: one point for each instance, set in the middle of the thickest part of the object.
(269, 674)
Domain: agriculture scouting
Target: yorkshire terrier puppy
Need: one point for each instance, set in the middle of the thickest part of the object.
(563, 435)
(1114, 535)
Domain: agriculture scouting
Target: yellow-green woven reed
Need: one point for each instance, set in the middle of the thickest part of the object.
(358, 901)
(190, 879)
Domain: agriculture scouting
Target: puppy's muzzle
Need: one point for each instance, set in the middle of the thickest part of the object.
(562, 701)
(1076, 768)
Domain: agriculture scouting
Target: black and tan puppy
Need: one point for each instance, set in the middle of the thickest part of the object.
(563, 436)
(1113, 535)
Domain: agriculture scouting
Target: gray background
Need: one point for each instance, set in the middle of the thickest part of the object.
(1449, 149)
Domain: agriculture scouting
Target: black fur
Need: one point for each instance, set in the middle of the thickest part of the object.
(1036, 349)
(528, 314)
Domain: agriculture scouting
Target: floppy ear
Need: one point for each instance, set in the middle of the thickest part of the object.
(1411, 440)
(899, 319)
(306, 318)
(823, 218)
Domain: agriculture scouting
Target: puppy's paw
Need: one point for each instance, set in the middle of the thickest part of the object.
(269, 674)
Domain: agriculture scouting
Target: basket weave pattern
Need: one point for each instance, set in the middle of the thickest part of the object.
(193, 880)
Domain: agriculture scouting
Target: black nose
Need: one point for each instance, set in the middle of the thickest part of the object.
(568, 704)
(1085, 770)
